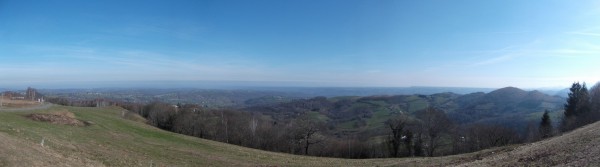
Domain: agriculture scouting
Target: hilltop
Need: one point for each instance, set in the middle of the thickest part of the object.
(114, 140)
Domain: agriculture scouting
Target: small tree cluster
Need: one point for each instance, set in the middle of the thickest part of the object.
(421, 136)
(581, 108)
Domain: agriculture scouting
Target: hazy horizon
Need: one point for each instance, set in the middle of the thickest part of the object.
(231, 85)
(332, 43)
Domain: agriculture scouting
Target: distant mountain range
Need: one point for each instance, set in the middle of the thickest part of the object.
(508, 106)
(369, 91)
(249, 96)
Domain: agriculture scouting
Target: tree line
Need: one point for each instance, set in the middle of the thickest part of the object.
(426, 133)
(582, 108)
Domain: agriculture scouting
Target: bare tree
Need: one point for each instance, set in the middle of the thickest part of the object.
(224, 122)
(435, 123)
(595, 101)
(307, 132)
(482, 136)
(408, 140)
(253, 125)
(161, 115)
(595, 97)
(395, 137)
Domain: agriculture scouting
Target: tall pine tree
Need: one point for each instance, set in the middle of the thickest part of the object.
(578, 105)
(546, 126)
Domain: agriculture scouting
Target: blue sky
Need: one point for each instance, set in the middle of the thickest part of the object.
(392, 43)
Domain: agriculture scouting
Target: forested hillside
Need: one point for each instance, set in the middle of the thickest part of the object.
(368, 113)
(366, 127)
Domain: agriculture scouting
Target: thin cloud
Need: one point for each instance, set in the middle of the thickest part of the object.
(540, 49)
(498, 56)
(569, 52)
(498, 33)
(495, 60)
(593, 31)
(585, 34)
(510, 55)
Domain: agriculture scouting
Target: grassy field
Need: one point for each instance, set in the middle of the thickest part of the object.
(415, 104)
(112, 140)
(317, 116)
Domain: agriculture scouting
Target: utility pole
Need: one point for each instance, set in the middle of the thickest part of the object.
(1, 99)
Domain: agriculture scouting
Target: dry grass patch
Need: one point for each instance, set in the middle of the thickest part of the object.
(18, 152)
(133, 116)
(581, 147)
(9, 103)
(59, 117)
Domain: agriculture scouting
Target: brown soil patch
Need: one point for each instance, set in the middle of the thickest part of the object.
(61, 118)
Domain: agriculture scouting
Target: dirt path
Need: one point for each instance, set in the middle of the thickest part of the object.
(38, 107)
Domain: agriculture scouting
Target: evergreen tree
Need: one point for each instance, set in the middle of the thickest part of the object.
(574, 101)
(595, 101)
(546, 126)
(578, 105)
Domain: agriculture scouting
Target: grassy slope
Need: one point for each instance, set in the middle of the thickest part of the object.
(580, 147)
(114, 141)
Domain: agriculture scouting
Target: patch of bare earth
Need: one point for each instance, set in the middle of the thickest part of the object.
(60, 118)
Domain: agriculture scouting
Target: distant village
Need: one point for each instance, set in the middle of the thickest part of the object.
(30, 94)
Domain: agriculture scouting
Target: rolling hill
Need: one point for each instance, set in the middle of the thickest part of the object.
(509, 100)
(507, 106)
(111, 138)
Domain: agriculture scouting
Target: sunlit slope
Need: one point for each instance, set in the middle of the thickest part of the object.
(112, 140)
(580, 147)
